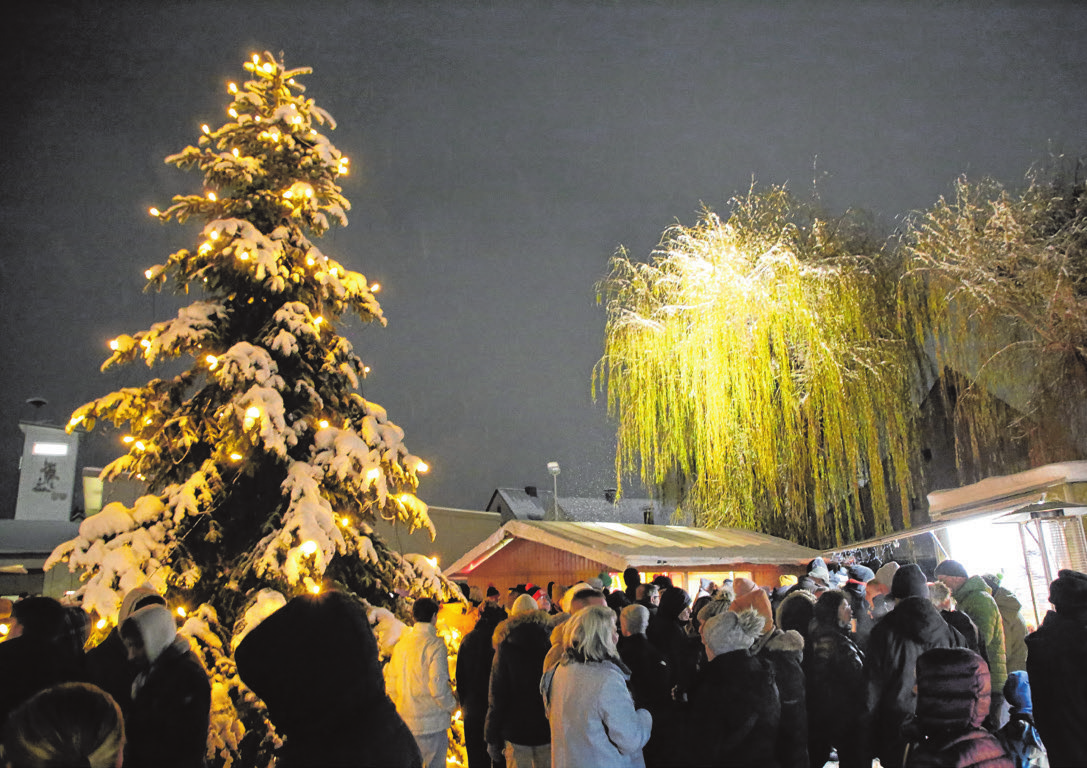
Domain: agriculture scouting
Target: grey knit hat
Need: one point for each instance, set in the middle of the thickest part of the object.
(729, 631)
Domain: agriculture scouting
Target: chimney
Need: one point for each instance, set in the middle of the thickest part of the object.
(531, 491)
(609, 495)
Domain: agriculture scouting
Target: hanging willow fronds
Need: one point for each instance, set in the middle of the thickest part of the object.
(996, 290)
(755, 364)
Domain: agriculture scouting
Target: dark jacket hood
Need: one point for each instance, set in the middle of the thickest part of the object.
(524, 626)
(672, 603)
(917, 619)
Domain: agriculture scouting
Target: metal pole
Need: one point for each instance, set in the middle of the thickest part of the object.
(1030, 576)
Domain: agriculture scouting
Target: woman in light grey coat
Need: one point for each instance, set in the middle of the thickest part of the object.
(592, 715)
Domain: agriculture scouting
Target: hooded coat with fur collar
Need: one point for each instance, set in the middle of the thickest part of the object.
(515, 710)
(785, 652)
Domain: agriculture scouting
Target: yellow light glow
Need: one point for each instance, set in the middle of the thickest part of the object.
(297, 119)
(244, 255)
(204, 248)
(268, 67)
(3, 630)
(153, 211)
(146, 344)
(205, 128)
(309, 261)
(344, 522)
(432, 560)
(214, 234)
(253, 412)
(323, 424)
(232, 87)
(365, 369)
(139, 445)
(235, 152)
(115, 345)
(75, 420)
(128, 439)
(147, 421)
(274, 135)
(318, 320)
(375, 287)
(288, 195)
(232, 112)
(334, 271)
(309, 192)
(422, 466)
(212, 361)
(373, 474)
(211, 196)
(309, 547)
(235, 457)
(181, 611)
(256, 59)
(101, 624)
(315, 589)
(147, 273)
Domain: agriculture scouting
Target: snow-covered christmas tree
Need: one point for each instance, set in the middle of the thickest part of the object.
(263, 461)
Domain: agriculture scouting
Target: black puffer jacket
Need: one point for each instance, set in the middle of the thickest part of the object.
(314, 662)
(666, 632)
(890, 669)
(785, 653)
(515, 711)
(953, 697)
(473, 680)
(834, 671)
(733, 715)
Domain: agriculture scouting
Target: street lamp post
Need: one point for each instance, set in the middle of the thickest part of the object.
(553, 468)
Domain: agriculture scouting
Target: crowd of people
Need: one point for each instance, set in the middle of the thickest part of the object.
(846, 663)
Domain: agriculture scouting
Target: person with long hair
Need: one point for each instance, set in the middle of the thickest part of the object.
(72, 724)
(592, 715)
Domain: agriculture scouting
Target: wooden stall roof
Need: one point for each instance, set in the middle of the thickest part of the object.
(621, 546)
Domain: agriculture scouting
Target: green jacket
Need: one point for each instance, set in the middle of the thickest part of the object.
(975, 599)
(1015, 628)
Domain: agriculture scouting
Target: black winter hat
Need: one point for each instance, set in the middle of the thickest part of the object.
(909, 581)
(1069, 591)
(951, 568)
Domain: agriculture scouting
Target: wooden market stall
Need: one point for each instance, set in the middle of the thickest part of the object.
(523, 551)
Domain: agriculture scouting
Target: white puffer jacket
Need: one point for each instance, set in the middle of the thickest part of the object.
(417, 680)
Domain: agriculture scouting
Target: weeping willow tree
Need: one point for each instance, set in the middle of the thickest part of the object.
(995, 289)
(755, 367)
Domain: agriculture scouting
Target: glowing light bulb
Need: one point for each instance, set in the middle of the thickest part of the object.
(256, 59)
(422, 466)
(318, 320)
(235, 152)
(115, 345)
(373, 474)
(309, 191)
(235, 457)
(432, 560)
(334, 271)
(128, 439)
(102, 624)
(212, 361)
(309, 547)
(375, 287)
(147, 273)
(153, 211)
(274, 135)
(323, 424)
(253, 412)
(232, 112)
(214, 234)
(211, 197)
(244, 255)
(344, 522)
(205, 128)
(75, 420)
(146, 344)
(365, 369)
(204, 248)
(181, 611)
(297, 119)
(315, 589)
(232, 87)
(139, 446)
(309, 261)
(268, 67)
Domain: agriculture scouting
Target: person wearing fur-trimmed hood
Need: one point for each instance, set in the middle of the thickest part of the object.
(733, 711)
(167, 724)
(516, 726)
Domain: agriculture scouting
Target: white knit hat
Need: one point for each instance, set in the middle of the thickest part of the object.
(729, 631)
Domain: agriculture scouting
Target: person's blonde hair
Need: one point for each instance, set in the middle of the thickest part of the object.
(68, 724)
(590, 634)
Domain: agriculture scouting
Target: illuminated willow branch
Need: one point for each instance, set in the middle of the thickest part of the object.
(757, 361)
(996, 288)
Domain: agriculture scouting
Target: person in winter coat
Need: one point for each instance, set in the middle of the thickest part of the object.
(953, 699)
(939, 594)
(1019, 736)
(890, 664)
(107, 663)
(167, 724)
(473, 680)
(1057, 667)
(785, 652)
(667, 633)
(592, 715)
(650, 682)
(733, 713)
(1015, 626)
(856, 588)
(974, 598)
(314, 663)
(36, 654)
(834, 674)
(417, 680)
(516, 725)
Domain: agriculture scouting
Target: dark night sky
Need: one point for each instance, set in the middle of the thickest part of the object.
(501, 152)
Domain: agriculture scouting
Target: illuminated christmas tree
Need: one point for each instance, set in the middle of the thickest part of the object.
(263, 461)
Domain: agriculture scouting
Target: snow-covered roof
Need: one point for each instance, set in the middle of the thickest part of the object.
(517, 503)
(34, 537)
(535, 504)
(1006, 492)
(621, 546)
